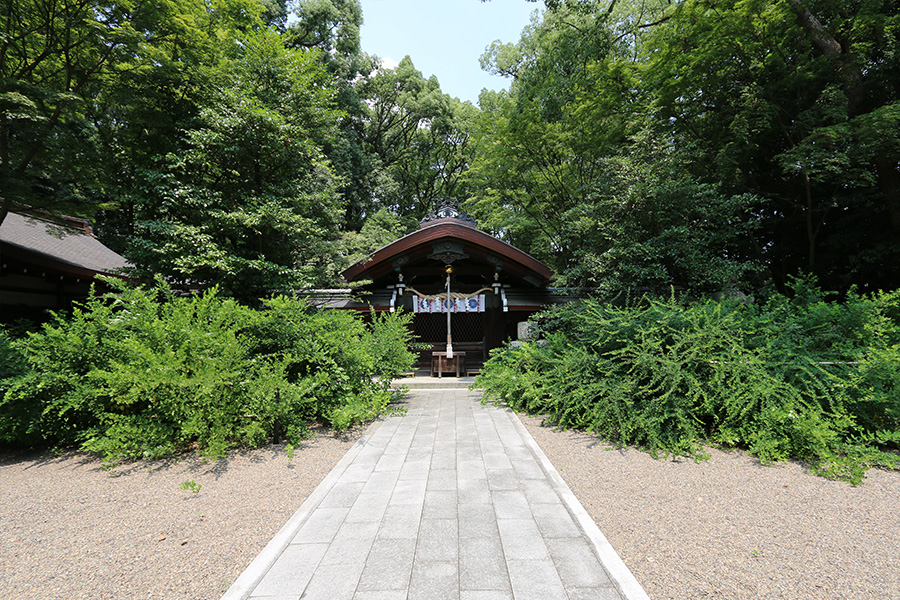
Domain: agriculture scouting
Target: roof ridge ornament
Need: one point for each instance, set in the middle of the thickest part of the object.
(448, 208)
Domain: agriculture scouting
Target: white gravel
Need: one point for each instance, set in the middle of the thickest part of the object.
(70, 530)
(726, 528)
(731, 528)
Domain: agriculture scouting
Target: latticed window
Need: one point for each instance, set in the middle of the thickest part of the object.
(468, 336)
(465, 327)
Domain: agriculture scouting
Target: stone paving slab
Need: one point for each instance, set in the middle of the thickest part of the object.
(452, 500)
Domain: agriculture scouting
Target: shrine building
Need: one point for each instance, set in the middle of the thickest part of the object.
(490, 288)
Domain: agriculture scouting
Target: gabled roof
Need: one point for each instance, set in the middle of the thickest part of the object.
(456, 235)
(67, 246)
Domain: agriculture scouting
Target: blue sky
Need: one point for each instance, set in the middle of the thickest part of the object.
(444, 37)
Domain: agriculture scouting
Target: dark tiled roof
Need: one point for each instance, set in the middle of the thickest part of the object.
(69, 243)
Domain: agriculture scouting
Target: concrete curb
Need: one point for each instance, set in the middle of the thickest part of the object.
(618, 571)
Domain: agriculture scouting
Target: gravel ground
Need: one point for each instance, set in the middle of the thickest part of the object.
(725, 528)
(731, 528)
(70, 530)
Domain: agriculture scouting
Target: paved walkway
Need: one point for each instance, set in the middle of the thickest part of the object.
(451, 500)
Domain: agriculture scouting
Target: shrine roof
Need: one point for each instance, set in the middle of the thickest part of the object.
(450, 238)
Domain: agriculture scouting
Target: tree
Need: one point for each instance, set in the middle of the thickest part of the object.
(649, 226)
(250, 204)
(791, 100)
(421, 137)
(51, 53)
(409, 142)
(332, 26)
(64, 69)
(379, 230)
(535, 155)
(788, 106)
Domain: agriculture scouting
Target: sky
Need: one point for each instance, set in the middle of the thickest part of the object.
(444, 38)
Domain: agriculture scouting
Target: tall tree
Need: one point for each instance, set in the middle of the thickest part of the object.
(405, 146)
(535, 156)
(57, 61)
(331, 26)
(250, 203)
(788, 106)
(795, 101)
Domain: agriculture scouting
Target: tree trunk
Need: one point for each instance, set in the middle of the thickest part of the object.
(852, 81)
(846, 65)
(4, 168)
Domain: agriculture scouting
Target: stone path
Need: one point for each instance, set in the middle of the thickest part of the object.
(452, 500)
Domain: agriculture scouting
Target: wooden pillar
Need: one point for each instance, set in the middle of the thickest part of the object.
(494, 327)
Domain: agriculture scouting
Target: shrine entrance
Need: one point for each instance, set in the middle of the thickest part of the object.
(467, 333)
(466, 328)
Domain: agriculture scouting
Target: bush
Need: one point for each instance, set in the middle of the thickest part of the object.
(801, 378)
(143, 374)
(12, 366)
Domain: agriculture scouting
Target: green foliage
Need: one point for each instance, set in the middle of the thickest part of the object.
(801, 378)
(392, 359)
(778, 99)
(289, 451)
(699, 143)
(91, 90)
(12, 361)
(379, 230)
(702, 143)
(191, 485)
(404, 145)
(571, 166)
(329, 25)
(645, 226)
(250, 204)
(144, 374)
(360, 408)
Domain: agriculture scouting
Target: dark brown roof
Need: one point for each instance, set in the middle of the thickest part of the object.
(415, 248)
(68, 246)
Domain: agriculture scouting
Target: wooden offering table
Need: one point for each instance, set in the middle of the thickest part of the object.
(440, 363)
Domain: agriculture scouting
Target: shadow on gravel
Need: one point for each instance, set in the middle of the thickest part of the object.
(189, 461)
(593, 441)
(38, 458)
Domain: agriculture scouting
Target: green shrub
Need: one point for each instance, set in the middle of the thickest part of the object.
(390, 340)
(12, 367)
(142, 373)
(801, 378)
(361, 407)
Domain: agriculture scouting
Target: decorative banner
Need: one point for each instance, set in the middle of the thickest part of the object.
(424, 304)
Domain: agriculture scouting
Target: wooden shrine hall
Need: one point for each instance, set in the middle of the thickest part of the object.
(469, 291)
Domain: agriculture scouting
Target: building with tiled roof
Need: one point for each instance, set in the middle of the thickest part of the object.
(48, 263)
